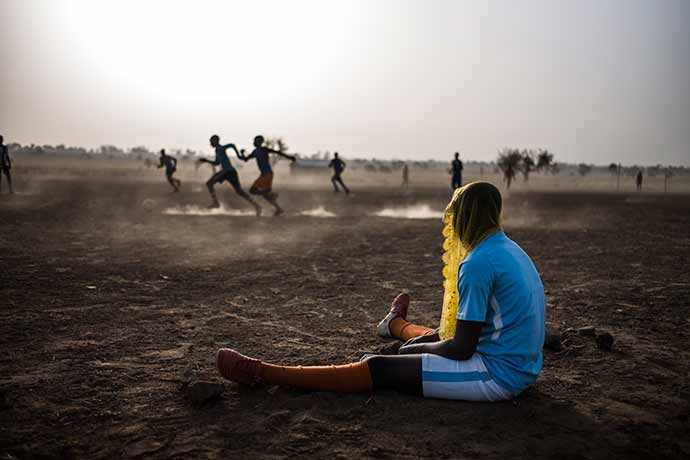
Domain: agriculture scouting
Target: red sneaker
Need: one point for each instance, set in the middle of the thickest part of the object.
(237, 367)
(398, 309)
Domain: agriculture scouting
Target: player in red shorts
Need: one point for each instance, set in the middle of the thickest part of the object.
(264, 184)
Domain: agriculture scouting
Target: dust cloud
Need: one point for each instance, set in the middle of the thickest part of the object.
(193, 210)
(318, 212)
(420, 211)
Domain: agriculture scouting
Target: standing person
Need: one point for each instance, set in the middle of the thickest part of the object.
(264, 184)
(170, 164)
(495, 351)
(405, 175)
(338, 166)
(5, 164)
(638, 180)
(227, 173)
(456, 172)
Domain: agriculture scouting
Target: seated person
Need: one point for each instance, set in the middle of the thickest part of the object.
(495, 351)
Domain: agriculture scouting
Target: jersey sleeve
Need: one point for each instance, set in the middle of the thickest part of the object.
(475, 283)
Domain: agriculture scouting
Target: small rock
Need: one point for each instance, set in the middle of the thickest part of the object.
(199, 393)
(5, 402)
(142, 448)
(588, 331)
(605, 341)
(187, 376)
(552, 339)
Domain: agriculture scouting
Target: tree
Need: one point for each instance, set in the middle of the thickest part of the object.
(508, 162)
(544, 161)
(281, 146)
(584, 169)
(613, 169)
(527, 163)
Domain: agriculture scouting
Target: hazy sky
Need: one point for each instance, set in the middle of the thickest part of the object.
(594, 81)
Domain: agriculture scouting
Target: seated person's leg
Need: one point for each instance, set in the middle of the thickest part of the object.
(395, 324)
(405, 330)
(377, 372)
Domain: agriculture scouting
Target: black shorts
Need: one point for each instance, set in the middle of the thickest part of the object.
(229, 176)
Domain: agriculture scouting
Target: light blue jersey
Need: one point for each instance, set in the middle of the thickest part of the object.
(500, 286)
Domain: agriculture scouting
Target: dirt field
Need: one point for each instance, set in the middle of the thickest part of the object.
(108, 307)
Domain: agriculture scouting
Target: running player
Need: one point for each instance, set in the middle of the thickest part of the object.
(227, 173)
(5, 164)
(264, 184)
(338, 166)
(405, 175)
(170, 164)
(456, 172)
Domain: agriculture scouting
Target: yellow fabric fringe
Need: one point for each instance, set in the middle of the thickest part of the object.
(476, 223)
(453, 253)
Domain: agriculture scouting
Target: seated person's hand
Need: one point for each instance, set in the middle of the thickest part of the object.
(422, 339)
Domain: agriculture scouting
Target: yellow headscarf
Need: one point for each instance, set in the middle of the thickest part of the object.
(473, 213)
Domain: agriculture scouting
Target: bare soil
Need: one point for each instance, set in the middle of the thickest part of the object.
(108, 308)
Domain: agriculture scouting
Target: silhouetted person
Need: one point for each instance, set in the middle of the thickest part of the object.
(264, 184)
(638, 180)
(456, 172)
(5, 164)
(170, 164)
(405, 175)
(338, 166)
(227, 173)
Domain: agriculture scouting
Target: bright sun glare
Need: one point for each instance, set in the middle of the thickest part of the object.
(206, 51)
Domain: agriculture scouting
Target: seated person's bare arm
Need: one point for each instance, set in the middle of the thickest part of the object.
(461, 347)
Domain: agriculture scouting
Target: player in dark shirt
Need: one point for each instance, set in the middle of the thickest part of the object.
(170, 164)
(338, 166)
(456, 172)
(227, 173)
(5, 165)
(264, 184)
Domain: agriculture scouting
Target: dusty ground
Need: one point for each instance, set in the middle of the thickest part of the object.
(107, 309)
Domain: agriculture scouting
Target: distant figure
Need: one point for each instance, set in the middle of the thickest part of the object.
(227, 173)
(456, 172)
(170, 164)
(5, 164)
(638, 180)
(405, 176)
(264, 184)
(338, 166)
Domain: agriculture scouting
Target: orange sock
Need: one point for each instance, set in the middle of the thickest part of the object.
(346, 378)
(404, 330)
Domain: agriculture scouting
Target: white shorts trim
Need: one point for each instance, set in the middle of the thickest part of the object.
(467, 380)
